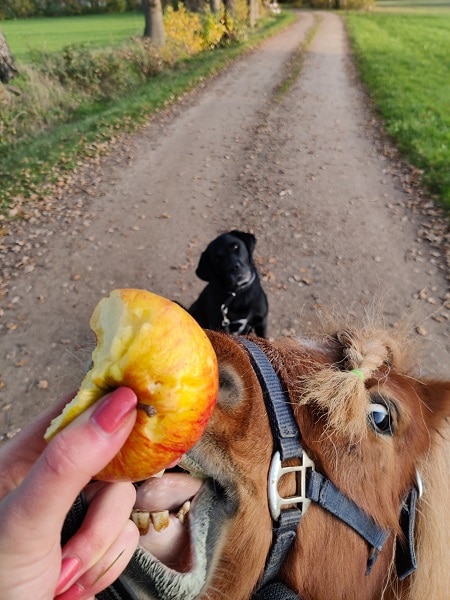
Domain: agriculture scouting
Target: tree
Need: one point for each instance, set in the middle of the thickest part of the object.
(7, 68)
(253, 12)
(214, 5)
(229, 7)
(154, 23)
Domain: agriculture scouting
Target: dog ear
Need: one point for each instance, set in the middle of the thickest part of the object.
(204, 269)
(248, 239)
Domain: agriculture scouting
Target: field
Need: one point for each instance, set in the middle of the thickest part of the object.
(426, 5)
(403, 59)
(50, 35)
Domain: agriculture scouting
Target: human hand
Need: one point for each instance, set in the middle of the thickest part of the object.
(39, 483)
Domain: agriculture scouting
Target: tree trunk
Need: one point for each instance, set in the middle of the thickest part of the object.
(7, 68)
(229, 6)
(214, 5)
(253, 12)
(154, 23)
(195, 6)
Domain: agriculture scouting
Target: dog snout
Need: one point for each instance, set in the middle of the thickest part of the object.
(238, 267)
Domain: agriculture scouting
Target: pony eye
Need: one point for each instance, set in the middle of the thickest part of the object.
(380, 419)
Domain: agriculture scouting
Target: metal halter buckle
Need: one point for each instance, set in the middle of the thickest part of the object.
(276, 472)
(419, 484)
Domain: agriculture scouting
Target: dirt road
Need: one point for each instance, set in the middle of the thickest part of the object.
(303, 171)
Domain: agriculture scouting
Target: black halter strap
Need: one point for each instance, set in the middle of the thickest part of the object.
(319, 489)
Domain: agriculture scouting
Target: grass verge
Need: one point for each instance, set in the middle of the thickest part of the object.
(296, 62)
(403, 60)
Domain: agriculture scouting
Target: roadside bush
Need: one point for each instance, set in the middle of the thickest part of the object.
(38, 102)
(55, 85)
(188, 33)
(144, 57)
(235, 26)
(213, 29)
(95, 71)
(221, 29)
(183, 31)
(102, 73)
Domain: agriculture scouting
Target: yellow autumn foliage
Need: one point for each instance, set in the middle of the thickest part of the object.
(188, 33)
(183, 31)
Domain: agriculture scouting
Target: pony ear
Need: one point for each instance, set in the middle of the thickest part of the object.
(436, 396)
(204, 269)
(248, 239)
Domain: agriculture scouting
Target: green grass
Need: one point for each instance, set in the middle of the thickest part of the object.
(404, 60)
(31, 166)
(296, 62)
(426, 5)
(50, 35)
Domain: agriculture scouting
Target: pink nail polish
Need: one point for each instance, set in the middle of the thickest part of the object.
(75, 592)
(70, 567)
(114, 409)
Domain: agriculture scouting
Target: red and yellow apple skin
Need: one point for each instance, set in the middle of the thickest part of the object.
(153, 346)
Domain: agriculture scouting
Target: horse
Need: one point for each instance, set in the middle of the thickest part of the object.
(322, 475)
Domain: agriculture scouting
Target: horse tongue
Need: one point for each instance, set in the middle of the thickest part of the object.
(170, 546)
(168, 492)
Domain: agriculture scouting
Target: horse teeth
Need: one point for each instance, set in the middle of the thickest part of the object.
(160, 520)
(159, 473)
(141, 518)
(181, 514)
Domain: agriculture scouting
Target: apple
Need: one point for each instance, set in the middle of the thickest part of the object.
(153, 346)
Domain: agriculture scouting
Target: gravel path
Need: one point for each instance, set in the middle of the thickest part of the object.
(341, 227)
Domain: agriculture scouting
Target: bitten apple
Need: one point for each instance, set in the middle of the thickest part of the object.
(153, 346)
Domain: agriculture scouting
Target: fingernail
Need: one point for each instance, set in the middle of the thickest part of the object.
(70, 567)
(73, 593)
(114, 409)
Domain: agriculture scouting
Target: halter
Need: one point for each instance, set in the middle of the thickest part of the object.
(311, 486)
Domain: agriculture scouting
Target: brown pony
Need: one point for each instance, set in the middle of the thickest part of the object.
(370, 428)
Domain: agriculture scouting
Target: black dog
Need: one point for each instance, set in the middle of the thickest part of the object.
(233, 301)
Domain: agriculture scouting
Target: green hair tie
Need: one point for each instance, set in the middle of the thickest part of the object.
(359, 373)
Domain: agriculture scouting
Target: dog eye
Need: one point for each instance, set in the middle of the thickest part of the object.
(380, 418)
(235, 247)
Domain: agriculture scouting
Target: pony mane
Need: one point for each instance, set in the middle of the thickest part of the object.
(367, 354)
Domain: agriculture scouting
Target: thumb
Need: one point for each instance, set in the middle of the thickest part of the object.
(42, 501)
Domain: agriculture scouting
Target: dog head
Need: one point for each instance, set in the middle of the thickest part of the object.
(227, 260)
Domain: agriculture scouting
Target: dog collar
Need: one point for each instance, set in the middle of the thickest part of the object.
(246, 285)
